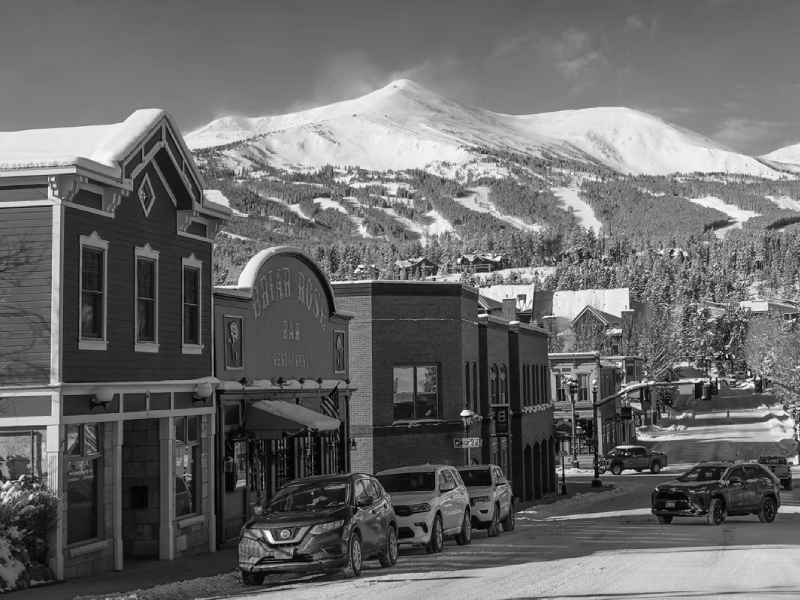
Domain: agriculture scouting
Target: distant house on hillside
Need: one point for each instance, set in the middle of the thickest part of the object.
(789, 310)
(600, 318)
(416, 267)
(481, 263)
(521, 295)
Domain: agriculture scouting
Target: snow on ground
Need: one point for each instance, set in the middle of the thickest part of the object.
(532, 273)
(295, 208)
(439, 225)
(784, 202)
(220, 198)
(737, 215)
(583, 212)
(326, 203)
(478, 200)
(737, 425)
(235, 236)
(411, 226)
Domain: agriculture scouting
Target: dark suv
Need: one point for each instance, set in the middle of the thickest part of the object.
(320, 524)
(717, 490)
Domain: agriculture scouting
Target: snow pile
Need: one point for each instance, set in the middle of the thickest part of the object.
(404, 125)
(202, 587)
(548, 510)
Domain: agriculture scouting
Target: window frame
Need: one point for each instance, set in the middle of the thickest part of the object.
(191, 347)
(195, 454)
(414, 367)
(93, 242)
(83, 455)
(146, 253)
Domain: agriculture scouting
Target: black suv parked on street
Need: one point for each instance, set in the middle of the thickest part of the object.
(717, 490)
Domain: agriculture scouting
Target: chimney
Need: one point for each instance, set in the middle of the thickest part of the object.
(509, 309)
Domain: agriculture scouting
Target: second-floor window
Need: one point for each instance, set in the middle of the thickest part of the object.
(416, 392)
(93, 282)
(146, 299)
(192, 277)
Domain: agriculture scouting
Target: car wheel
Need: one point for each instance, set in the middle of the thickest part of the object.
(389, 556)
(656, 468)
(251, 579)
(510, 521)
(768, 510)
(616, 469)
(465, 536)
(716, 512)
(494, 526)
(436, 543)
(355, 560)
(665, 519)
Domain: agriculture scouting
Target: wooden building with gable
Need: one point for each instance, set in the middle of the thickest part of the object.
(106, 373)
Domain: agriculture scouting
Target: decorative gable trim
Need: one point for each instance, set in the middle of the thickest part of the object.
(146, 194)
(64, 187)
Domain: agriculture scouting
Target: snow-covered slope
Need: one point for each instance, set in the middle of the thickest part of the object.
(404, 125)
(789, 154)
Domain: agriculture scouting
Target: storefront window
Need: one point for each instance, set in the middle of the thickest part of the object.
(416, 392)
(187, 444)
(83, 472)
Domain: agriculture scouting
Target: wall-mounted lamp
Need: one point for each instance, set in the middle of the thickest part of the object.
(102, 396)
(319, 380)
(280, 381)
(347, 380)
(301, 381)
(353, 443)
(245, 382)
(202, 393)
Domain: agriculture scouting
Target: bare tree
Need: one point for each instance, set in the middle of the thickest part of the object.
(772, 349)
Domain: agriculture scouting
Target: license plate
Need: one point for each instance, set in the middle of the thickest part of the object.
(282, 554)
(670, 505)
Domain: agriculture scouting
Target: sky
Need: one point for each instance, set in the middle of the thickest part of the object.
(727, 69)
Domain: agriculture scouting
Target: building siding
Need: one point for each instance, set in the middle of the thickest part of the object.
(129, 229)
(25, 280)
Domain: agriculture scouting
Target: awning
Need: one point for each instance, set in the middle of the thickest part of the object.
(274, 419)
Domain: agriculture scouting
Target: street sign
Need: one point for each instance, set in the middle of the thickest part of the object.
(467, 443)
(563, 453)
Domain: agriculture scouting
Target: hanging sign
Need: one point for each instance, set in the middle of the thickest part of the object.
(500, 416)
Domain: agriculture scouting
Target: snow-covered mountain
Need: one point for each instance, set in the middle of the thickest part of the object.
(789, 154)
(404, 125)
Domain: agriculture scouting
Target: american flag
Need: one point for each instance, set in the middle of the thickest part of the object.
(330, 404)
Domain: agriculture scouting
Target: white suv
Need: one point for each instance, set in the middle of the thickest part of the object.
(430, 502)
(491, 498)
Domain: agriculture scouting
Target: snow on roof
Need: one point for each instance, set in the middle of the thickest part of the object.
(105, 145)
(568, 304)
(218, 197)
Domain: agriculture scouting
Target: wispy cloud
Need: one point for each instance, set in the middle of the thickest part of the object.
(737, 131)
(353, 74)
(642, 26)
(578, 59)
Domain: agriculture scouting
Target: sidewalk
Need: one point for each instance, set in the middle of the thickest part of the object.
(140, 574)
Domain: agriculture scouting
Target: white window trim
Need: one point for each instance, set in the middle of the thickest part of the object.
(148, 253)
(193, 263)
(93, 241)
(148, 187)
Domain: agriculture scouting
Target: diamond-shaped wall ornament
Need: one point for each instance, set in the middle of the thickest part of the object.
(146, 195)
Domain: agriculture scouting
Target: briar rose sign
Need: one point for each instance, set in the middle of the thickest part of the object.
(280, 321)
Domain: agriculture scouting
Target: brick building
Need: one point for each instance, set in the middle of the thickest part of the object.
(106, 367)
(420, 353)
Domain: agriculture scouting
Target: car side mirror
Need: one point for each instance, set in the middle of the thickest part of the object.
(364, 501)
(735, 480)
(445, 488)
(258, 509)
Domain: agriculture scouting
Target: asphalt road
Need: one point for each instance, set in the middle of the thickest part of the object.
(610, 546)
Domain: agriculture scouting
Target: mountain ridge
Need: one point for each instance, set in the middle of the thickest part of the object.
(404, 125)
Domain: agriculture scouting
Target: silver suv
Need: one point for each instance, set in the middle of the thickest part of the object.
(490, 497)
(430, 502)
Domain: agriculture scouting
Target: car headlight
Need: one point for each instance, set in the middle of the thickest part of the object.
(701, 490)
(481, 498)
(419, 508)
(323, 527)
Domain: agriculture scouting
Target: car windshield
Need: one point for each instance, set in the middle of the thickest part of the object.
(309, 496)
(409, 482)
(772, 460)
(703, 474)
(476, 477)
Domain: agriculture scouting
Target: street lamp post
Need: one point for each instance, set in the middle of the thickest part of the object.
(572, 389)
(467, 415)
(596, 480)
